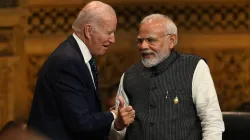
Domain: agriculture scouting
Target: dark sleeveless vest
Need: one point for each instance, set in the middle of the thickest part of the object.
(162, 99)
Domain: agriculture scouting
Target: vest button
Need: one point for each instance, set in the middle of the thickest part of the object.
(152, 106)
(151, 124)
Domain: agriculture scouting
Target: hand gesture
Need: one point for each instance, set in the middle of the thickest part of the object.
(125, 115)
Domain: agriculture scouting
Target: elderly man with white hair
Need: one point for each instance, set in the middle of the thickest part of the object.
(172, 93)
(66, 103)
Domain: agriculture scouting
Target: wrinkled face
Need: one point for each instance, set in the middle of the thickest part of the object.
(103, 35)
(154, 43)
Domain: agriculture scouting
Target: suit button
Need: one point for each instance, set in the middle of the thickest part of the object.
(152, 106)
(151, 124)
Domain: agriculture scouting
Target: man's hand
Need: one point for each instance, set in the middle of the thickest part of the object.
(112, 108)
(125, 115)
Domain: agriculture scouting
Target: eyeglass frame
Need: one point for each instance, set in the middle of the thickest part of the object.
(147, 39)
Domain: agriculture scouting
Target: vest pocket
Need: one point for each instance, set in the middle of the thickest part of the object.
(180, 95)
(180, 104)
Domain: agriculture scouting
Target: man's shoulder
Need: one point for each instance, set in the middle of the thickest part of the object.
(190, 56)
(65, 51)
(63, 56)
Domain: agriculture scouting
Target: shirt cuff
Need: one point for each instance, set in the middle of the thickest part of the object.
(116, 135)
(113, 115)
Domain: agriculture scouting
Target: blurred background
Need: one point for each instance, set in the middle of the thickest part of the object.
(218, 30)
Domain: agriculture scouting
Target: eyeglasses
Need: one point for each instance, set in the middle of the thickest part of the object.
(149, 40)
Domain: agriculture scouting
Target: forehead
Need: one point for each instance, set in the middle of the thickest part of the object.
(109, 22)
(152, 28)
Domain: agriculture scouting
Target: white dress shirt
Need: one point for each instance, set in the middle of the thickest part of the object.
(85, 53)
(205, 99)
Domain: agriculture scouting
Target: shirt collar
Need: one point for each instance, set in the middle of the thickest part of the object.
(84, 49)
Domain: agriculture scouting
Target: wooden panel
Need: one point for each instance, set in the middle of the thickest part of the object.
(12, 45)
(42, 44)
(214, 40)
(121, 2)
(53, 2)
(11, 17)
(190, 18)
(8, 3)
(231, 73)
(7, 86)
(5, 44)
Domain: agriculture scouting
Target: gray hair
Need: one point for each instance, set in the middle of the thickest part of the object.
(92, 13)
(171, 28)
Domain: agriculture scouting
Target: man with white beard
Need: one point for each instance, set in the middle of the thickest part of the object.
(172, 93)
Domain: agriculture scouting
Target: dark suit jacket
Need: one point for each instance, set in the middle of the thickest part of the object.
(66, 105)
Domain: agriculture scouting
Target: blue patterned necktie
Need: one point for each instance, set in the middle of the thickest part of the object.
(92, 64)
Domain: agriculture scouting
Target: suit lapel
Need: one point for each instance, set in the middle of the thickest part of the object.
(74, 44)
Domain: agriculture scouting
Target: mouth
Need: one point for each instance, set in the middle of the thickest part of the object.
(105, 46)
(147, 55)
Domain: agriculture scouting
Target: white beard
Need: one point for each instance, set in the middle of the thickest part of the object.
(150, 62)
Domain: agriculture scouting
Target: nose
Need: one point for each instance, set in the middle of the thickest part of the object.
(143, 45)
(112, 38)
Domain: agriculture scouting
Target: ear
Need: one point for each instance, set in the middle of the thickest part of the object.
(88, 30)
(173, 39)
